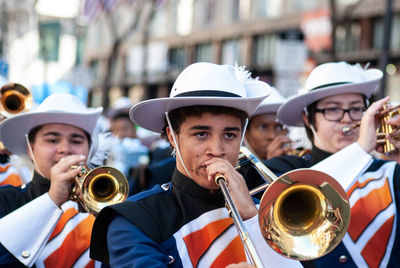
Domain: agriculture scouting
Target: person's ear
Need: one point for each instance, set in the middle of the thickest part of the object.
(170, 138)
(29, 151)
(305, 120)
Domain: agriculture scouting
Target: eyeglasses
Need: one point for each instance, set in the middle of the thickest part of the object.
(336, 114)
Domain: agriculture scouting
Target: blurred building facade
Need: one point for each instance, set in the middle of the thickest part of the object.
(112, 48)
(42, 45)
(280, 41)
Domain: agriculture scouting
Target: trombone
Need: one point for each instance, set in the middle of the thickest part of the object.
(100, 187)
(303, 214)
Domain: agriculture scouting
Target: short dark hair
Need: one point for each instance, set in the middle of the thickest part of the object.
(178, 116)
(121, 115)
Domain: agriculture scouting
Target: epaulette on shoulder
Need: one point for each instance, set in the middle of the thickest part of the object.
(23, 188)
(156, 189)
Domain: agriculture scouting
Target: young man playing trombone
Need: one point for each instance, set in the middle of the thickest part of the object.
(185, 223)
(336, 99)
(265, 136)
(38, 225)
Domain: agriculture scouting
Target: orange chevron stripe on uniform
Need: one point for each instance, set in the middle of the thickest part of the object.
(90, 264)
(73, 246)
(65, 217)
(198, 242)
(374, 250)
(367, 208)
(12, 179)
(358, 185)
(226, 257)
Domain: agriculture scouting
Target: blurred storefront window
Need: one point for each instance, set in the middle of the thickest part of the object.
(204, 52)
(49, 34)
(231, 52)
(264, 47)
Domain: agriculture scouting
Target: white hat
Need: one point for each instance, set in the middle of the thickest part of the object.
(270, 104)
(59, 108)
(121, 105)
(326, 80)
(203, 84)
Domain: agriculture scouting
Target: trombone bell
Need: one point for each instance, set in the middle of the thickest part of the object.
(304, 214)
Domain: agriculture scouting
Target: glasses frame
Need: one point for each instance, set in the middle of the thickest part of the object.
(323, 110)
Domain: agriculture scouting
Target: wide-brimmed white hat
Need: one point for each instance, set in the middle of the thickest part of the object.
(270, 104)
(203, 84)
(120, 106)
(326, 80)
(59, 108)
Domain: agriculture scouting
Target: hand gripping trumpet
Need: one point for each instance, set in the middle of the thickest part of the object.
(383, 128)
(303, 214)
(100, 187)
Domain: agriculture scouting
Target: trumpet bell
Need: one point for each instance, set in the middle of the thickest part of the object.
(15, 98)
(103, 186)
(304, 214)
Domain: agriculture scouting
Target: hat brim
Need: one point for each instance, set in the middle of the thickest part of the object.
(267, 109)
(14, 129)
(150, 114)
(290, 113)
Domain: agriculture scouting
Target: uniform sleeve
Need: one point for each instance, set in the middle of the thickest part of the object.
(129, 247)
(354, 154)
(268, 256)
(25, 231)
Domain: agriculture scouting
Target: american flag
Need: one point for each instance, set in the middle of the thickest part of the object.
(93, 8)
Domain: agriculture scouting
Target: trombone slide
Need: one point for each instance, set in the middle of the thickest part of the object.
(237, 219)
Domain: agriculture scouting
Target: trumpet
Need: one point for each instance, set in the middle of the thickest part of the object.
(383, 128)
(100, 187)
(15, 98)
(303, 214)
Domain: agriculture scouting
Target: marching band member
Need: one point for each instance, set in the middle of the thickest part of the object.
(127, 151)
(185, 223)
(336, 98)
(265, 136)
(38, 225)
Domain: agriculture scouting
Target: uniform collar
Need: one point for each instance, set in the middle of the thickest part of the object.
(40, 184)
(318, 155)
(187, 185)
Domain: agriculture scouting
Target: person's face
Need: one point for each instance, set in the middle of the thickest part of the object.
(330, 134)
(205, 137)
(123, 128)
(55, 141)
(262, 131)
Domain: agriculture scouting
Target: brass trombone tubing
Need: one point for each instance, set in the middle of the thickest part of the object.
(237, 219)
(303, 214)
